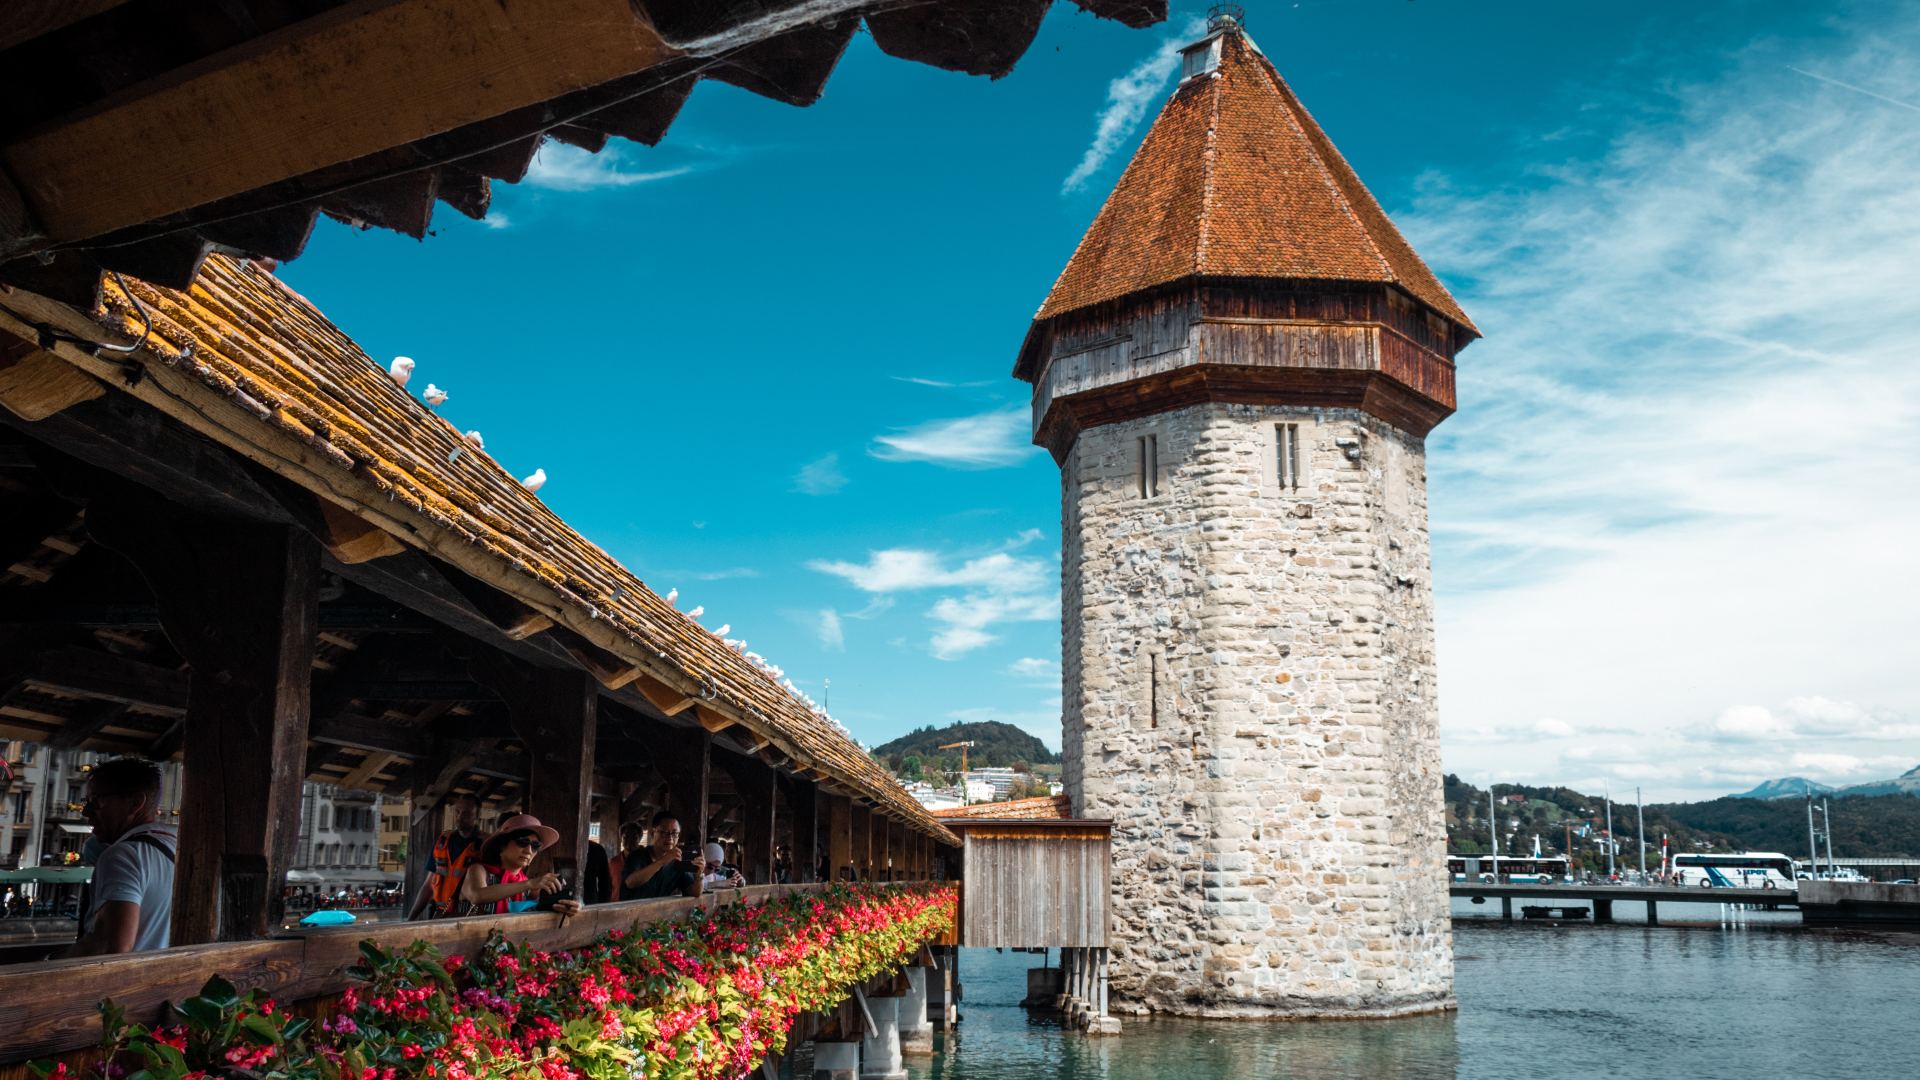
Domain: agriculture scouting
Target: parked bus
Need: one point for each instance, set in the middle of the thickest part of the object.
(1519, 869)
(1743, 870)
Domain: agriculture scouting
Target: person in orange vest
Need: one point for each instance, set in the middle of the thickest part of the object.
(453, 851)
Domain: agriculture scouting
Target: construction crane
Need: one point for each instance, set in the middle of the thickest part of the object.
(962, 747)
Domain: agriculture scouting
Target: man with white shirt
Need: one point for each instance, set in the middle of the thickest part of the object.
(128, 907)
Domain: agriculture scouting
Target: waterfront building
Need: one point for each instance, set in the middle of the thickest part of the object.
(1235, 372)
(41, 792)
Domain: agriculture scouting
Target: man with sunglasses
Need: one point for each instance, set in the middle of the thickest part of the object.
(128, 906)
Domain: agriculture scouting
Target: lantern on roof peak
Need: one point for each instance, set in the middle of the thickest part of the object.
(1226, 16)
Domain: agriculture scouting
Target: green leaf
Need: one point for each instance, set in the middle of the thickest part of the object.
(200, 1012)
(220, 992)
(259, 1025)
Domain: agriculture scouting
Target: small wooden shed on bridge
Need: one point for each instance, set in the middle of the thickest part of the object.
(1033, 877)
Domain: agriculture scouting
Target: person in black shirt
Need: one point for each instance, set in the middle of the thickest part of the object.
(664, 873)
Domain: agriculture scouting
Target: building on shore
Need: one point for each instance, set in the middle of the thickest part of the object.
(41, 792)
(1236, 372)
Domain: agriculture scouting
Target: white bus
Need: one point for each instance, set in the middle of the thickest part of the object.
(1744, 870)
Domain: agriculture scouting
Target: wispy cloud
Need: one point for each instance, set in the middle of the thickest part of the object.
(832, 635)
(1683, 468)
(495, 220)
(1856, 89)
(939, 384)
(990, 440)
(821, 476)
(1128, 99)
(1035, 670)
(998, 588)
(569, 168)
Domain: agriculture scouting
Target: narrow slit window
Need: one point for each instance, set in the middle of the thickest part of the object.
(1286, 445)
(1149, 466)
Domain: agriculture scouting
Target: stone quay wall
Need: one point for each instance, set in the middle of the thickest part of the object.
(1249, 696)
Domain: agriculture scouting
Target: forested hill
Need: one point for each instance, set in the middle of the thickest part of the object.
(994, 743)
(1864, 826)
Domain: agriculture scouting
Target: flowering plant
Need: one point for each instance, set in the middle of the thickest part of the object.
(701, 997)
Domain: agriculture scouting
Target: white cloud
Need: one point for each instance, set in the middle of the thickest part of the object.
(1749, 722)
(1036, 670)
(1553, 729)
(821, 476)
(1684, 466)
(726, 573)
(831, 635)
(938, 384)
(989, 440)
(495, 220)
(1128, 99)
(1000, 587)
(569, 168)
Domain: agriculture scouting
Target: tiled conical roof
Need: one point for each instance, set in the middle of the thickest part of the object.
(1236, 180)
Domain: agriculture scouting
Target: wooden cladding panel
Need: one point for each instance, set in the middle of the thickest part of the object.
(1417, 368)
(1035, 891)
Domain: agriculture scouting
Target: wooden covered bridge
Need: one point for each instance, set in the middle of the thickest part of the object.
(231, 540)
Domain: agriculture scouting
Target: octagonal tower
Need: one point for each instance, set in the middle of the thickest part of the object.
(1236, 372)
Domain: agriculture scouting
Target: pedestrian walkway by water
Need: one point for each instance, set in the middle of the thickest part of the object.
(1535, 1001)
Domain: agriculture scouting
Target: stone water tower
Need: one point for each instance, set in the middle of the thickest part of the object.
(1236, 373)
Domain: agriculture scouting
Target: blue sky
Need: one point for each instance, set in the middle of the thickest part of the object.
(766, 363)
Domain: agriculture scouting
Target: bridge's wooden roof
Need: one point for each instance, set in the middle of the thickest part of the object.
(141, 134)
(1043, 807)
(267, 376)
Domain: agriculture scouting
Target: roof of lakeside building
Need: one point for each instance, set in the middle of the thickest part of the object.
(263, 347)
(1235, 179)
(1043, 807)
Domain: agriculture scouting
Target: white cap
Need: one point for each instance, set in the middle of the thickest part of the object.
(716, 855)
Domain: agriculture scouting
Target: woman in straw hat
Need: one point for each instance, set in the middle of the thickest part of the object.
(498, 874)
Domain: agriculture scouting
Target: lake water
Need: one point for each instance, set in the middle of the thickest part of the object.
(1770, 999)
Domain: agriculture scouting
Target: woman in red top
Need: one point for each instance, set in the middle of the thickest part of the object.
(498, 874)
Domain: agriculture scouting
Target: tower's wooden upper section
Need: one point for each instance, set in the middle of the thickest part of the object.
(1243, 234)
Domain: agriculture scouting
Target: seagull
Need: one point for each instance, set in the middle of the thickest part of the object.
(474, 440)
(400, 370)
(722, 632)
(672, 595)
(535, 482)
(697, 612)
(435, 395)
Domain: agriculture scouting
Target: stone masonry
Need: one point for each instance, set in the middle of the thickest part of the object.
(1249, 696)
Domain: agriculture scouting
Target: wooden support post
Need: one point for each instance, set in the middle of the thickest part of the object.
(886, 834)
(240, 601)
(839, 837)
(684, 758)
(422, 830)
(862, 844)
(803, 806)
(754, 783)
(556, 714)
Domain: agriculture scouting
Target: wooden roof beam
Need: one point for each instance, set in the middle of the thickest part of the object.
(362, 78)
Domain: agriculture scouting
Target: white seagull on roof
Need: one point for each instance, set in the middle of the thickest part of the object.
(400, 370)
(697, 612)
(434, 395)
(535, 482)
(722, 632)
(672, 595)
(474, 440)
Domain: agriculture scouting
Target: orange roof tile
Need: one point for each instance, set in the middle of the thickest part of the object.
(1236, 180)
(257, 343)
(1043, 807)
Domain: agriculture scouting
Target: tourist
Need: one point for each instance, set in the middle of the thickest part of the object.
(128, 906)
(721, 874)
(497, 874)
(453, 850)
(664, 872)
(633, 852)
(782, 865)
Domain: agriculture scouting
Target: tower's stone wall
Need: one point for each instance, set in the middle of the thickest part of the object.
(1249, 696)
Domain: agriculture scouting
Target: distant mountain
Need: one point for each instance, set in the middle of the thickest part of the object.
(1787, 787)
(994, 743)
(1907, 783)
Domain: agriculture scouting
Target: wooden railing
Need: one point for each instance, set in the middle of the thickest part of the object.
(50, 1007)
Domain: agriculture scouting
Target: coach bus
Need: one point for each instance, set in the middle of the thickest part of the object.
(1742, 870)
(1519, 869)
